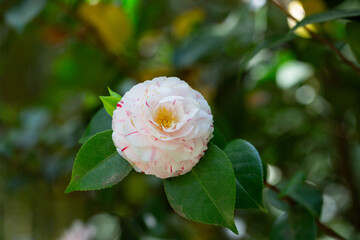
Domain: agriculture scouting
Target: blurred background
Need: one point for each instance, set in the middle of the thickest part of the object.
(284, 92)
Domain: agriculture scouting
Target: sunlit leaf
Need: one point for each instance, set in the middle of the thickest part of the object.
(296, 9)
(98, 165)
(207, 193)
(248, 172)
(327, 16)
(110, 103)
(114, 94)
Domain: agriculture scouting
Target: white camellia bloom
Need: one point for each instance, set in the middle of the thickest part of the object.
(162, 127)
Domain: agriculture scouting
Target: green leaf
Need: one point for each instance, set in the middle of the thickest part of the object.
(131, 8)
(265, 170)
(309, 197)
(207, 193)
(248, 174)
(272, 197)
(100, 122)
(306, 195)
(98, 165)
(296, 224)
(353, 36)
(327, 16)
(219, 138)
(110, 103)
(297, 180)
(114, 94)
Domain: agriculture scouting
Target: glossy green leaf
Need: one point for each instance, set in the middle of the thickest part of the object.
(297, 180)
(98, 165)
(272, 197)
(207, 193)
(353, 36)
(100, 122)
(309, 197)
(114, 94)
(306, 195)
(296, 224)
(328, 16)
(110, 103)
(248, 171)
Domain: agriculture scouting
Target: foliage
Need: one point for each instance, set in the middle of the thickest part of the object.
(293, 98)
(98, 165)
(248, 171)
(206, 194)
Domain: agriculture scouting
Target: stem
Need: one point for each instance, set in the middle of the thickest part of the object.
(345, 169)
(319, 38)
(328, 231)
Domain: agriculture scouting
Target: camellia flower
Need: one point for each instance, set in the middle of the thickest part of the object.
(162, 127)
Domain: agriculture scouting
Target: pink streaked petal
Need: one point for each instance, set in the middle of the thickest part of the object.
(131, 133)
(189, 147)
(124, 148)
(153, 153)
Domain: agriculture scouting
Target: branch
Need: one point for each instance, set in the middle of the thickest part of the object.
(319, 38)
(328, 231)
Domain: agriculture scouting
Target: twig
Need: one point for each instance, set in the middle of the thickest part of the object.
(328, 231)
(319, 38)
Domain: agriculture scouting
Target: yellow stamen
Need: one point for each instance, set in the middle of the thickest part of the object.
(164, 117)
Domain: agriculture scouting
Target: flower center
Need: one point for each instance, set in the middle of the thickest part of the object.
(165, 118)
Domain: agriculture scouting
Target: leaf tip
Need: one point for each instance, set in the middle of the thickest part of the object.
(68, 189)
(114, 94)
(233, 228)
(82, 140)
(263, 209)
